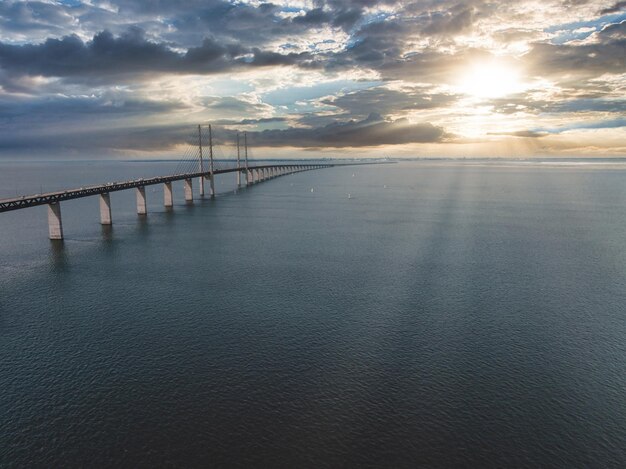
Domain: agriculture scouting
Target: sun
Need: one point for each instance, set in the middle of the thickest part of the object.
(490, 80)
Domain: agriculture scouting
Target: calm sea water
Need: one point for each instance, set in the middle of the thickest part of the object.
(463, 315)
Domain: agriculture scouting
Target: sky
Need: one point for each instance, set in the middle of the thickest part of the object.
(353, 78)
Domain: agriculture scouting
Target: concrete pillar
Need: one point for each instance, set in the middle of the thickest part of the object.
(55, 225)
(188, 190)
(168, 200)
(201, 178)
(105, 209)
(141, 201)
(212, 186)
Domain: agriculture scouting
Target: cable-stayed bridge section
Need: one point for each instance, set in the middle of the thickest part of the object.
(199, 163)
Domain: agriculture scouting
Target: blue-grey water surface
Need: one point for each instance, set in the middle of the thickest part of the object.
(463, 315)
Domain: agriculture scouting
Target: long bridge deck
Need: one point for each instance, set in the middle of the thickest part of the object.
(26, 201)
(253, 174)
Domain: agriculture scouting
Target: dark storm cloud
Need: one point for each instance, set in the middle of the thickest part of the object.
(132, 54)
(249, 24)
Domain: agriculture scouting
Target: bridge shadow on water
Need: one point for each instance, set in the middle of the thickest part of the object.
(58, 257)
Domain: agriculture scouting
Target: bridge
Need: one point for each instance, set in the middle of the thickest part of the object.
(252, 174)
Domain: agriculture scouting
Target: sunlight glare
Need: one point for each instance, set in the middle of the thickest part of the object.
(490, 81)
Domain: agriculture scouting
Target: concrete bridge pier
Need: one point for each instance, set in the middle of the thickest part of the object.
(168, 200)
(212, 185)
(55, 225)
(105, 209)
(201, 181)
(188, 190)
(141, 201)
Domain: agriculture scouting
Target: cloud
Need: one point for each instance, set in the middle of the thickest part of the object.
(107, 56)
(521, 133)
(306, 74)
(606, 55)
(617, 7)
(264, 120)
(384, 101)
(373, 131)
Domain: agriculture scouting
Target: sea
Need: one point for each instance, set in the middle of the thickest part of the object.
(415, 314)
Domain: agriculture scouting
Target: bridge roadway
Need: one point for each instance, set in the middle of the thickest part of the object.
(26, 201)
(253, 174)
